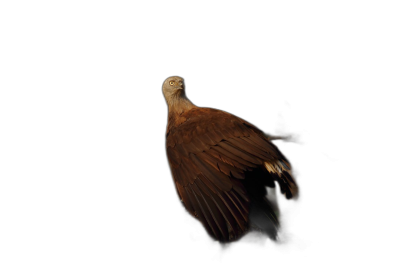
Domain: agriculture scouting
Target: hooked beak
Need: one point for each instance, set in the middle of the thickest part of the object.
(181, 87)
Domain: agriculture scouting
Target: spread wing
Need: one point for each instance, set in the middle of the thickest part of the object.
(210, 152)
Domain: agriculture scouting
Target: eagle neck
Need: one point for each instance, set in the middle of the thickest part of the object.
(179, 104)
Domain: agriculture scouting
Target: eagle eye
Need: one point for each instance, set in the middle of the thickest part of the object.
(171, 83)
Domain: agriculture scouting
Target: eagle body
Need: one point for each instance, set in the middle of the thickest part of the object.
(221, 165)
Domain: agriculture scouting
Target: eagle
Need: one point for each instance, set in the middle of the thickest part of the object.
(221, 166)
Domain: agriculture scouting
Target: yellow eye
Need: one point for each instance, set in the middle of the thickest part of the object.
(171, 83)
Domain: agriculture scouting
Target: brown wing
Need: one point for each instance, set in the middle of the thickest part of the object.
(210, 152)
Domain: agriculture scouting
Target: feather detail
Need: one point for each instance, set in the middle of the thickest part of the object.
(234, 157)
(220, 157)
(240, 153)
(218, 178)
(249, 148)
(232, 227)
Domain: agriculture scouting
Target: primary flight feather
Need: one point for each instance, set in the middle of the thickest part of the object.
(221, 165)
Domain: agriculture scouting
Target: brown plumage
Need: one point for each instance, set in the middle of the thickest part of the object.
(221, 165)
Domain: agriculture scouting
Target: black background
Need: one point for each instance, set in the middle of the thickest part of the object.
(112, 193)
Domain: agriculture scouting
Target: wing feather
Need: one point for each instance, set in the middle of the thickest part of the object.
(199, 213)
(218, 178)
(215, 213)
(224, 212)
(224, 158)
(267, 145)
(234, 157)
(239, 207)
(240, 153)
(173, 156)
(221, 166)
(250, 148)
